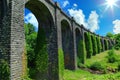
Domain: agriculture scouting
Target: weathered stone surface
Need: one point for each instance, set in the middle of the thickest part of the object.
(49, 14)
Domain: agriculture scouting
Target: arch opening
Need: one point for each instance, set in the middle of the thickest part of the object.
(0, 10)
(106, 44)
(41, 66)
(94, 44)
(66, 34)
(79, 46)
(86, 44)
(102, 45)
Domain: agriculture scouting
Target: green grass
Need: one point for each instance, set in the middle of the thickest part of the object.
(103, 60)
(85, 75)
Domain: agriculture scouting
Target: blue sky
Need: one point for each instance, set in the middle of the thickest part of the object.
(100, 16)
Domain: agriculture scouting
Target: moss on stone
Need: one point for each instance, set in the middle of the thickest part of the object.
(41, 53)
(81, 52)
(61, 63)
(88, 45)
(94, 44)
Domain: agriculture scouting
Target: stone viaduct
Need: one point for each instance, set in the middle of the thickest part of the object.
(62, 32)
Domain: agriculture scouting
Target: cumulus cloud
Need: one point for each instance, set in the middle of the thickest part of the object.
(30, 18)
(116, 27)
(65, 3)
(92, 23)
(78, 16)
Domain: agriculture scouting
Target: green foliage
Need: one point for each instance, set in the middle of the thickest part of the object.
(26, 78)
(4, 70)
(110, 35)
(41, 60)
(99, 44)
(29, 29)
(37, 54)
(112, 57)
(30, 36)
(79, 63)
(81, 52)
(106, 44)
(80, 74)
(61, 63)
(97, 66)
(88, 44)
(118, 66)
(94, 45)
(117, 39)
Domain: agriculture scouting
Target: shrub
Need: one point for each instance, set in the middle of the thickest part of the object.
(97, 66)
(82, 52)
(99, 44)
(118, 66)
(88, 45)
(4, 70)
(117, 41)
(106, 44)
(111, 56)
(61, 63)
(94, 45)
(26, 78)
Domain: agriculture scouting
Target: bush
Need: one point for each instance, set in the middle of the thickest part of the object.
(117, 41)
(99, 44)
(97, 66)
(80, 64)
(118, 66)
(4, 70)
(26, 78)
(106, 44)
(82, 52)
(88, 45)
(111, 56)
(94, 44)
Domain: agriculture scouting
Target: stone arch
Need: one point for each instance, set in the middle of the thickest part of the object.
(62, 17)
(86, 44)
(46, 43)
(66, 37)
(102, 44)
(78, 38)
(93, 43)
(106, 44)
(109, 44)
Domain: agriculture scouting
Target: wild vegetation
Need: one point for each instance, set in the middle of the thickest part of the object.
(36, 51)
(97, 68)
(4, 70)
(103, 64)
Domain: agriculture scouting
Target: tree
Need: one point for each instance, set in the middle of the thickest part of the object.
(30, 36)
(110, 35)
(117, 39)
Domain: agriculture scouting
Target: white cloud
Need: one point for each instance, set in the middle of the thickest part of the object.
(75, 5)
(78, 16)
(93, 22)
(30, 18)
(65, 3)
(116, 28)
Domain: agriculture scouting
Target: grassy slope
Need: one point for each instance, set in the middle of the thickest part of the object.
(85, 75)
